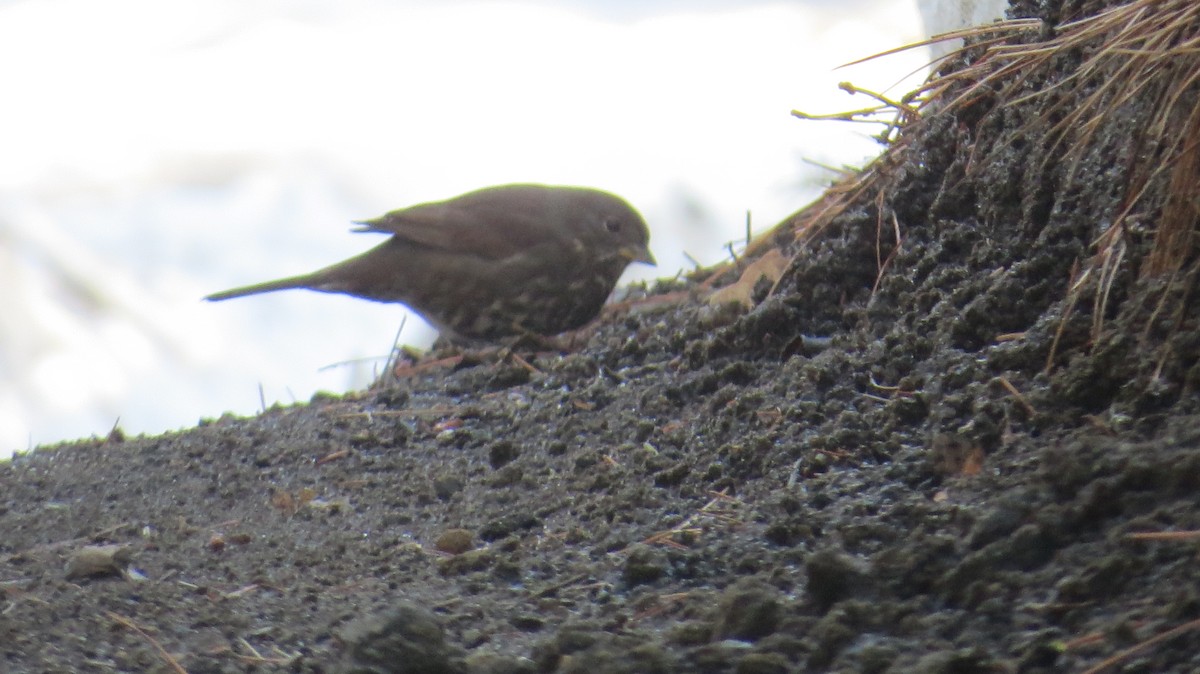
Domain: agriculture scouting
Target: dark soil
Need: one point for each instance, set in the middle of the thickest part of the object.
(853, 476)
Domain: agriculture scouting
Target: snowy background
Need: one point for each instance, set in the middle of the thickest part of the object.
(154, 151)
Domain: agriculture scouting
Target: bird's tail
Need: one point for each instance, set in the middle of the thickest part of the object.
(305, 281)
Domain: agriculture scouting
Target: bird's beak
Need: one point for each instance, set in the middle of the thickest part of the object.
(638, 254)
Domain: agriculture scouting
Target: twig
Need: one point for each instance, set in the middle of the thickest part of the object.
(1134, 650)
(1163, 535)
(1017, 395)
(127, 622)
(61, 544)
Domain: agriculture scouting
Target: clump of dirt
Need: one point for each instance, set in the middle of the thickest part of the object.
(938, 452)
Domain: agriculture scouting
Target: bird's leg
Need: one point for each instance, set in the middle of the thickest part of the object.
(556, 344)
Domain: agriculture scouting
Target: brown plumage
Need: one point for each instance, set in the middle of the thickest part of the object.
(493, 263)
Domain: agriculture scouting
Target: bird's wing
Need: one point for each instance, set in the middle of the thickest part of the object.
(490, 224)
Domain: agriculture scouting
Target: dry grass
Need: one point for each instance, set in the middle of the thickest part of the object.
(1146, 50)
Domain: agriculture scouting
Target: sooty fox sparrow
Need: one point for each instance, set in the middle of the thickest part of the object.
(493, 263)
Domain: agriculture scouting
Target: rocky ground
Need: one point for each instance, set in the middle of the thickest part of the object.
(956, 452)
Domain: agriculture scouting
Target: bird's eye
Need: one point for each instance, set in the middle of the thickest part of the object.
(613, 225)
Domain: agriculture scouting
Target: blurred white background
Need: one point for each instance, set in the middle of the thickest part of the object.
(158, 150)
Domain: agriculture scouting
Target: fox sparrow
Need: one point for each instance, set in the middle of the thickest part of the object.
(493, 263)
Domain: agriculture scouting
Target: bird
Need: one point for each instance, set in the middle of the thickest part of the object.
(495, 263)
